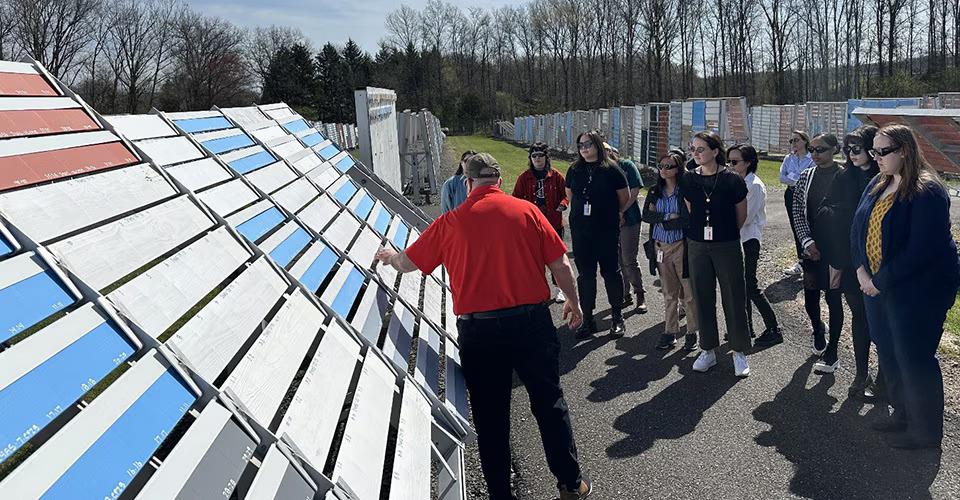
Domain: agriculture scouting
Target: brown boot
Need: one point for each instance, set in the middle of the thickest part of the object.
(585, 489)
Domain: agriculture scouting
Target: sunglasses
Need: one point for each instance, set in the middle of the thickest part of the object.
(734, 163)
(667, 166)
(699, 150)
(538, 155)
(880, 153)
(818, 151)
(852, 150)
(585, 145)
(795, 140)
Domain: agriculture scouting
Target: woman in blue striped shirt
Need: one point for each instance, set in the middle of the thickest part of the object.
(667, 214)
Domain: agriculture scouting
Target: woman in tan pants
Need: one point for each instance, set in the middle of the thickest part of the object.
(667, 215)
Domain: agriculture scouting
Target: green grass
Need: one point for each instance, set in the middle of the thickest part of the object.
(769, 173)
(950, 343)
(513, 160)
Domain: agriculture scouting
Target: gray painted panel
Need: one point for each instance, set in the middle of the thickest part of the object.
(220, 468)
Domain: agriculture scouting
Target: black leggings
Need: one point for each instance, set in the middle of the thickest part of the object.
(811, 302)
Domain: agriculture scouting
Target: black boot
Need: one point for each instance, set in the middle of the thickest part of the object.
(586, 328)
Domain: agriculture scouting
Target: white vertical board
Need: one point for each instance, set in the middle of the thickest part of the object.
(379, 142)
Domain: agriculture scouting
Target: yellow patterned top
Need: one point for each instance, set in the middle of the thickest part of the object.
(875, 232)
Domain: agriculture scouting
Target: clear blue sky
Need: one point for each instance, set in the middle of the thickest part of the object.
(322, 20)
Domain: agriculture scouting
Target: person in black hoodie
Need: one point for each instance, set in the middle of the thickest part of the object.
(837, 211)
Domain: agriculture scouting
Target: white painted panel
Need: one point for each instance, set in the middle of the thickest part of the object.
(324, 176)
(271, 177)
(342, 230)
(18, 67)
(39, 472)
(36, 103)
(263, 376)
(266, 485)
(451, 318)
(287, 149)
(278, 113)
(306, 260)
(212, 337)
(362, 452)
(295, 195)
(249, 212)
(412, 458)
(107, 253)
(137, 127)
(26, 145)
(366, 246)
(336, 283)
(269, 133)
(196, 175)
(191, 115)
(228, 197)
(410, 288)
(375, 212)
(158, 297)
(314, 412)
(388, 274)
(216, 134)
(245, 116)
(432, 297)
(49, 210)
(19, 268)
(275, 239)
(307, 163)
(299, 155)
(240, 153)
(168, 151)
(319, 213)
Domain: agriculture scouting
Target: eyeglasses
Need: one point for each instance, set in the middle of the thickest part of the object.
(880, 153)
(796, 140)
(538, 155)
(667, 166)
(699, 150)
(585, 145)
(734, 163)
(818, 151)
(852, 150)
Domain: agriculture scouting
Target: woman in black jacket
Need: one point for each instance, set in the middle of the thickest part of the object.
(837, 211)
(667, 215)
(906, 262)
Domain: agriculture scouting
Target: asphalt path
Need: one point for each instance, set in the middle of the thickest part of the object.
(647, 426)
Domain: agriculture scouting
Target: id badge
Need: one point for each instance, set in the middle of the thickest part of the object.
(586, 209)
(707, 233)
(660, 256)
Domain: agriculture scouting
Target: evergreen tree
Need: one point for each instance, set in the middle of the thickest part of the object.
(291, 78)
(329, 81)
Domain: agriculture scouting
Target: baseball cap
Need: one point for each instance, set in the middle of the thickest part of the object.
(482, 166)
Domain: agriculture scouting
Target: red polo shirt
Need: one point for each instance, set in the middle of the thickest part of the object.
(495, 248)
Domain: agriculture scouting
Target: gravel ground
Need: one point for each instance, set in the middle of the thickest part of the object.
(648, 426)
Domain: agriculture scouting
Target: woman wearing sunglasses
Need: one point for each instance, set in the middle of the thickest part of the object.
(598, 194)
(793, 164)
(717, 200)
(668, 217)
(543, 186)
(838, 210)
(906, 262)
(743, 159)
(813, 230)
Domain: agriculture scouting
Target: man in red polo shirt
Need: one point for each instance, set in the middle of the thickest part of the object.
(495, 248)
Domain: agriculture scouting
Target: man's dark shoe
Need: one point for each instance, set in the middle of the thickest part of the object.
(875, 391)
(690, 342)
(769, 337)
(641, 304)
(889, 424)
(586, 329)
(667, 341)
(618, 329)
(904, 441)
(583, 491)
(859, 386)
(627, 300)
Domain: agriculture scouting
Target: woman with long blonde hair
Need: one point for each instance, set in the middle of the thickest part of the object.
(907, 266)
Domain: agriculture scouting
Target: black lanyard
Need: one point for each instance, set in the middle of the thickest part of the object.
(586, 188)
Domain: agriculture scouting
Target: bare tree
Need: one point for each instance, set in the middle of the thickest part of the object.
(55, 31)
(265, 43)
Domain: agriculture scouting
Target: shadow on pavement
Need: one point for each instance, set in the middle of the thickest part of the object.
(785, 289)
(835, 454)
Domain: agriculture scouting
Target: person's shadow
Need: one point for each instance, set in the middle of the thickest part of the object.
(835, 454)
(644, 424)
(784, 289)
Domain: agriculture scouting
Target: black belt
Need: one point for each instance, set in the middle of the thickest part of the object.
(501, 313)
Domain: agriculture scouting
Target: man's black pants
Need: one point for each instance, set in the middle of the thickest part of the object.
(491, 350)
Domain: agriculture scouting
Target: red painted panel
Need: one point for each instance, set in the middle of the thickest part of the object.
(21, 123)
(20, 84)
(33, 168)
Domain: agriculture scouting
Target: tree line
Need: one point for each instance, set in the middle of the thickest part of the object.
(472, 66)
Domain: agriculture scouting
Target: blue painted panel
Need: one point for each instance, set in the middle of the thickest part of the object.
(400, 239)
(261, 224)
(35, 399)
(194, 125)
(456, 388)
(364, 207)
(224, 144)
(382, 223)
(345, 192)
(329, 152)
(290, 247)
(699, 115)
(348, 293)
(345, 164)
(296, 126)
(5, 247)
(252, 162)
(397, 332)
(312, 139)
(28, 302)
(107, 467)
(318, 271)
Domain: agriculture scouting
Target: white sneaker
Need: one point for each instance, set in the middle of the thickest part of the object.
(740, 366)
(705, 361)
(796, 270)
(561, 298)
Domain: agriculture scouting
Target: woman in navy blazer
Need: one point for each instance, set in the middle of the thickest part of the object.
(906, 262)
